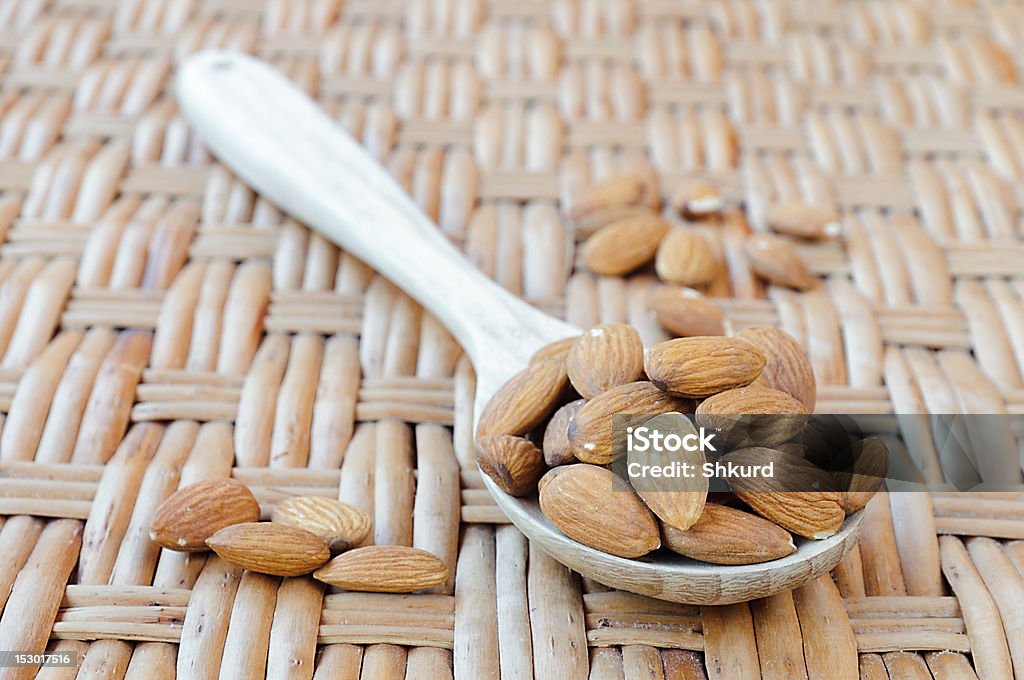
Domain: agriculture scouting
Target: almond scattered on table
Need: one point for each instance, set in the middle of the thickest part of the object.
(686, 258)
(624, 246)
(384, 569)
(270, 548)
(685, 312)
(340, 525)
(778, 261)
(192, 514)
(802, 219)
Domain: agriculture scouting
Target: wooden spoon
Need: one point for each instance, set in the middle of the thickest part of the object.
(282, 144)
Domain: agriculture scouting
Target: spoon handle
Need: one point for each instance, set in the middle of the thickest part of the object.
(281, 143)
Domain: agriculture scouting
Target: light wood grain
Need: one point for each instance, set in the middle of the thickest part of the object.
(278, 140)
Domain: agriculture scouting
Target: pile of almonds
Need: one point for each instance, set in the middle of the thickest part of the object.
(623, 232)
(223, 515)
(549, 430)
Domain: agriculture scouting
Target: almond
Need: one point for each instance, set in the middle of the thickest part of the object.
(549, 475)
(696, 197)
(340, 525)
(384, 569)
(595, 507)
(591, 433)
(702, 366)
(778, 261)
(725, 535)
(270, 548)
(786, 367)
(514, 463)
(194, 513)
(614, 191)
(686, 258)
(559, 349)
(604, 357)
(525, 401)
(802, 219)
(685, 312)
(863, 479)
(557, 449)
(753, 416)
(625, 245)
(677, 501)
(591, 223)
(812, 513)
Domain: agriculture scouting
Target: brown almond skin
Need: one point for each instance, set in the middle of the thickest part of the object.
(514, 463)
(867, 474)
(591, 429)
(525, 401)
(270, 548)
(702, 366)
(593, 222)
(678, 501)
(778, 261)
(557, 449)
(193, 513)
(724, 535)
(604, 357)
(614, 191)
(786, 367)
(686, 258)
(802, 219)
(384, 569)
(684, 312)
(753, 416)
(595, 507)
(625, 245)
(340, 525)
(811, 514)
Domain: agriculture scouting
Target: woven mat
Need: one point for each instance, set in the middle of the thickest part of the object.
(161, 324)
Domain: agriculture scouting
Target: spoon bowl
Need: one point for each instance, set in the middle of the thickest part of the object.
(282, 144)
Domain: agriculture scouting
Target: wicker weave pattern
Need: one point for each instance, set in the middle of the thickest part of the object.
(161, 324)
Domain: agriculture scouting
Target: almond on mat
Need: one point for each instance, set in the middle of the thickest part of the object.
(195, 512)
(686, 258)
(604, 357)
(799, 218)
(270, 548)
(341, 525)
(384, 569)
(778, 261)
(625, 245)
(685, 312)
(696, 197)
(614, 191)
